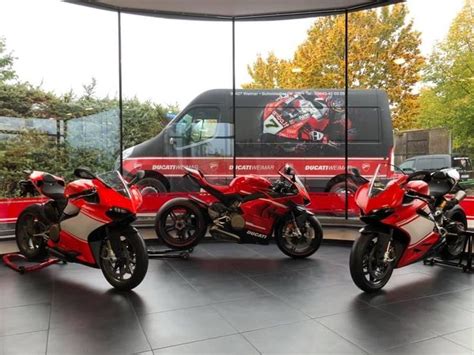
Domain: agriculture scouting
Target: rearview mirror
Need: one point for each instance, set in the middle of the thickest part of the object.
(140, 174)
(84, 173)
(355, 172)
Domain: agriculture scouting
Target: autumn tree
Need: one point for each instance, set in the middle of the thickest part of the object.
(448, 98)
(378, 40)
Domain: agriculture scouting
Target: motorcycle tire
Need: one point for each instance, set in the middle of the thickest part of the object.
(282, 242)
(133, 246)
(454, 247)
(31, 221)
(193, 220)
(359, 249)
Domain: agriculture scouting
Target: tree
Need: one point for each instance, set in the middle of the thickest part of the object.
(448, 98)
(6, 63)
(377, 38)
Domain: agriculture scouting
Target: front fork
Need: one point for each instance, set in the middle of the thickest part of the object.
(114, 241)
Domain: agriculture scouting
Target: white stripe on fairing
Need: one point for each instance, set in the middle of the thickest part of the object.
(81, 225)
(470, 223)
(254, 225)
(418, 229)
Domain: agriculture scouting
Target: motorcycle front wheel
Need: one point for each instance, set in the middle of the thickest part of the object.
(299, 246)
(368, 271)
(180, 224)
(128, 270)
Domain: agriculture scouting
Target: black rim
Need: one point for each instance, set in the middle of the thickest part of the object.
(295, 243)
(373, 267)
(180, 225)
(123, 267)
(456, 244)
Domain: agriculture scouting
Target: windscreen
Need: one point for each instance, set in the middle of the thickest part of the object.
(382, 177)
(114, 180)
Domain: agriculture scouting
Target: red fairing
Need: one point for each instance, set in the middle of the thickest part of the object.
(406, 213)
(78, 186)
(85, 216)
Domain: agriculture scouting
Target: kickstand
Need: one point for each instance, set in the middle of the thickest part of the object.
(465, 256)
(169, 253)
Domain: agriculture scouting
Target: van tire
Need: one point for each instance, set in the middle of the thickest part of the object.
(152, 184)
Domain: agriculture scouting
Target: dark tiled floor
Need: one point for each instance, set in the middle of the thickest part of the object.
(240, 299)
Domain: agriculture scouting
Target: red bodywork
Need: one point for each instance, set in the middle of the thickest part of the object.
(261, 213)
(418, 230)
(91, 214)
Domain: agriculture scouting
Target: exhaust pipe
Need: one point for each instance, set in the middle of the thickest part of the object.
(220, 232)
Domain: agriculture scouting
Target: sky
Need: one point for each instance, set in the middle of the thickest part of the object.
(62, 46)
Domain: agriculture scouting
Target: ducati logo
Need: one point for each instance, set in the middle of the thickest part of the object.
(365, 167)
(256, 234)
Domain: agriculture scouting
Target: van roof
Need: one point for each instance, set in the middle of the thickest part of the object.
(357, 97)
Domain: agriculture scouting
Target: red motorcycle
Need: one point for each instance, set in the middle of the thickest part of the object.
(88, 222)
(249, 210)
(408, 217)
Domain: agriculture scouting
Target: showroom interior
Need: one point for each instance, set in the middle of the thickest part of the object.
(236, 177)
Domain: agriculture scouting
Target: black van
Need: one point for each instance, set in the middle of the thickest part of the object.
(303, 127)
(435, 162)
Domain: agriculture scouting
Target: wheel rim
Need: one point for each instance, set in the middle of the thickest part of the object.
(374, 269)
(30, 232)
(295, 243)
(119, 268)
(180, 225)
(456, 245)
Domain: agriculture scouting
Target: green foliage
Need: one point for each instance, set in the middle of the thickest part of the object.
(448, 99)
(6, 63)
(376, 39)
(34, 150)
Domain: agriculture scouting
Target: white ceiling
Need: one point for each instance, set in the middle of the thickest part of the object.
(239, 9)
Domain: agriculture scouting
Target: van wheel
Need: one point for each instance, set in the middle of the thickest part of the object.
(340, 188)
(150, 186)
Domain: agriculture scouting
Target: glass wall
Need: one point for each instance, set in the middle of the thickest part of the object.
(177, 78)
(59, 97)
(291, 108)
(58, 93)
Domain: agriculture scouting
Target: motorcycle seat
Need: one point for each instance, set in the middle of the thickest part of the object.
(51, 187)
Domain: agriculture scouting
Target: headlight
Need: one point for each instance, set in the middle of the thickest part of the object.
(377, 215)
(118, 213)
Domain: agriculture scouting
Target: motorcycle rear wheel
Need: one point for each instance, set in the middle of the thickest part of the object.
(127, 272)
(29, 225)
(312, 235)
(368, 273)
(180, 224)
(454, 246)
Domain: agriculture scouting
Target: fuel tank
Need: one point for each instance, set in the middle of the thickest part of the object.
(249, 184)
(78, 186)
